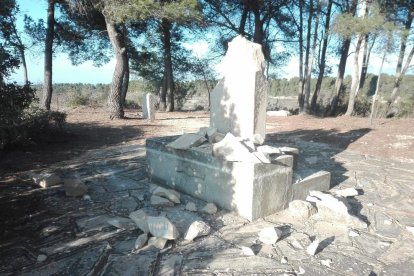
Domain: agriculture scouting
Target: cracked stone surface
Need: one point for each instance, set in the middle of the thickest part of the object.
(76, 238)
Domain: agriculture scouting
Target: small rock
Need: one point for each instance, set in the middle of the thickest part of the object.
(167, 193)
(197, 229)
(210, 208)
(370, 204)
(46, 180)
(278, 113)
(258, 139)
(247, 251)
(353, 233)
(270, 235)
(296, 244)
(141, 240)
(157, 242)
(140, 219)
(158, 201)
(313, 247)
(302, 209)
(86, 197)
(311, 160)
(301, 271)
(74, 187)
(387, 221)
(41, 258)
(326, 262)
(347, 192)
(161, 227)
(190, 206)
(410, 229)
(284, 260)
(269, 149)
(122, 223)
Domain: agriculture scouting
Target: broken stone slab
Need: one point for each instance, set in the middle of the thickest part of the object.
(270, 235)
(239, 100)
(197, 229)
(302, 209)
(410, 228)
(210, 208)
(46, 180)
(266, 149)
(319, 181)
(247, 251)
(158, 201)
(167, 193)
(348, 192)
(161, 227)
(262, 157)
(74, 187)
(141, 220)
(286, 160)
(122, 223)
(313, 247)
(278, 113)
(190, 206)
(231, 149)
(141, 241)
(157, 242)
(332, 208)
(209, 133)
(186, 141)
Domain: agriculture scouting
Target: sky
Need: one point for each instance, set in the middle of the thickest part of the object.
(65, 72)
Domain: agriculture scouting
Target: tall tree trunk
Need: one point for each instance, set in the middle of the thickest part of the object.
(355, 86)
(47, 83)
(341, 67)
(300, 84)
(258, 26)
(114, 97)
(243, 19)
(307, 53)
(365, 60)
(23, 57)
(374, 98)
(312, 57)
(398, 71)
(168, 70)
(125, 80)
(322, 63)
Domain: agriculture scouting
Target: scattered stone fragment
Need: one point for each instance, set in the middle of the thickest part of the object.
(270, 235)
(157, 242)
(186, 141)
(326, 262)
(268, 149)
(231, 149)
(262, 157)
(353, 233)
(210, 208)
(74, 187)
(284, 260)
(41, 258)
(313, 247)
(122, 223)
(208, 132)
(167, 193)
(160, 201)
(258, 139)
(86, 197)
(140, 219)
(247, 251)
(311, 160)
(410, 229)
(302, 209)
(197, 229)
(141, 240)
(387, 221)
(190, 206)
(46, 180)
(301, 271)
(347, 192)
(289, 150)
(296, 244)
(278, 113)
(161, 227)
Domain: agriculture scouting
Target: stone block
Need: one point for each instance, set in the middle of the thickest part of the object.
(319, 181)
(238, 102)
(253, 190)
(231, 149)
(148, 107)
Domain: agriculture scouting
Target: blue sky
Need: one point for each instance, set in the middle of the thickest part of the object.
(65, 72)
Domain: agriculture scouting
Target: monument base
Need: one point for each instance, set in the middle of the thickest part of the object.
(253, 190)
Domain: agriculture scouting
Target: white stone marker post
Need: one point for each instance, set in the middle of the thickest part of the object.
(238, 102)
(148, 108)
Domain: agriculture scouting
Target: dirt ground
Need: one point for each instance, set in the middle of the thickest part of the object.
(89, 128)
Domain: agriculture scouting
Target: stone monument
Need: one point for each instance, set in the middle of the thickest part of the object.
(226, 163)
(238, 102)
(148, 107)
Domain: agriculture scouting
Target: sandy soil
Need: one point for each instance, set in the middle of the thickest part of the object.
(89, 128)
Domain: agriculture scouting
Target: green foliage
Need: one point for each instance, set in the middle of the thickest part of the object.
(20, 121)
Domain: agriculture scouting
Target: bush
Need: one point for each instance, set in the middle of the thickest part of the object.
(20, 121)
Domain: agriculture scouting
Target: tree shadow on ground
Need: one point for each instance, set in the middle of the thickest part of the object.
(73, 140)
(318, 148)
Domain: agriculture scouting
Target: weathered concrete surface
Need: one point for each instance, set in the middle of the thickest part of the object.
(74, 235)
